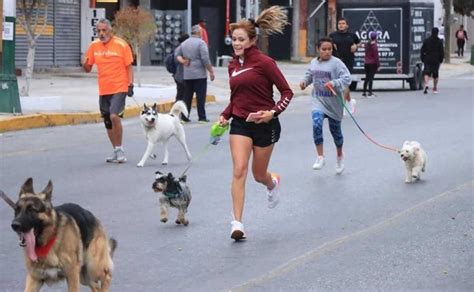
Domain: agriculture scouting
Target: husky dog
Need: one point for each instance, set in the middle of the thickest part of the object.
(415, 160)
(174, 193)
(65, 242)
(160, 127)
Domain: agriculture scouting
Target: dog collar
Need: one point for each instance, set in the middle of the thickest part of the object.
(171, 195)
(42, 251)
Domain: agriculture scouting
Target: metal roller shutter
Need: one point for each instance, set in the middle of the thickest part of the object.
(67, 36)
(60, 44)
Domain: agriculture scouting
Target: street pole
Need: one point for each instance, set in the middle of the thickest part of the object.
(9, 97)
(448, 4)
(189, 16)
(295, 33)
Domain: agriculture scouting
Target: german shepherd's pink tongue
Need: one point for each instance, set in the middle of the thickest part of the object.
(30, 244)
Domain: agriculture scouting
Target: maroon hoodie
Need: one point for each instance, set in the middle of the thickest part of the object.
(372, 54)
(251, 85)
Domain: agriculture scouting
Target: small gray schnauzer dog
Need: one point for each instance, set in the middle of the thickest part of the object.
(174, 193)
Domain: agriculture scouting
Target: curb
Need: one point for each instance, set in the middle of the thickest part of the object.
(41, 120)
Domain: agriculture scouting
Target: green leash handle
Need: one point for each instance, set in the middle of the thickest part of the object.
(216, 132)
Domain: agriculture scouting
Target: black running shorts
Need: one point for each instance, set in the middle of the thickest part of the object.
(262, 135)
(431, 69)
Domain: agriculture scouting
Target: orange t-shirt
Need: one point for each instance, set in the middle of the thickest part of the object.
(112, 60)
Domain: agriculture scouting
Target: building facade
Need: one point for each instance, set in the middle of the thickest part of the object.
(66, 27)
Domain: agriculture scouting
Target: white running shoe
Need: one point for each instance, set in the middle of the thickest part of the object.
(274, 194)
(121, 156)
(339, 165)
(320, 162)
(237, 233)
(113, 157)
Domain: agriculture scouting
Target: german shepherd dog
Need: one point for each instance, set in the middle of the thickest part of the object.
(174, 193)
(63, 242)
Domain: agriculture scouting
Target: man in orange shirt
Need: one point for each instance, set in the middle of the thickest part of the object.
(113, 58)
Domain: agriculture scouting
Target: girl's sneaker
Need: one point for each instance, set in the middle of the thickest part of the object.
(237, 233)
(339, 165)
(319, 163)
(274, 194)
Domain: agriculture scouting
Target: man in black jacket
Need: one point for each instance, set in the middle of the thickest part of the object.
(345, 45)
(432, 55)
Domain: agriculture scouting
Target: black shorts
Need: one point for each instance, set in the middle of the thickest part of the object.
(262, 135)
(112, 104)
(431, 70)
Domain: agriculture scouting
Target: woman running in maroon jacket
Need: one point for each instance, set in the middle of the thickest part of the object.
(252, 75)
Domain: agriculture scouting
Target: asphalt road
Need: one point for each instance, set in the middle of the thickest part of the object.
(365, 230)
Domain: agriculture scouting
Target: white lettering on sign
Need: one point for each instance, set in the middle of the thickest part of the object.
(418, 21)
(381, 35)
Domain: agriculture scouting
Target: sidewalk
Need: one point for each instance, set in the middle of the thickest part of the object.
(69, 96)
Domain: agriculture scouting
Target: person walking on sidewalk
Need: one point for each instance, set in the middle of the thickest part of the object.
(113, 58)
(252, 75)
(204, 35)
(371, 62)
(461, 38)
(324, 71)
(178, 76)
(432, 55)
(345, 45)
(194, 55)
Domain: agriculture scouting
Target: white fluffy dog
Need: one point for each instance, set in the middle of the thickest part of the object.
(415, 160)
(161, 127)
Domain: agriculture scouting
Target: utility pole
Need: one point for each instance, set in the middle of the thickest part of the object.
(295, 32)
(9, 97)
(189, 16)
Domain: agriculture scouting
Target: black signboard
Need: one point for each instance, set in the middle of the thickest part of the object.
(387, 22)
(421, 24)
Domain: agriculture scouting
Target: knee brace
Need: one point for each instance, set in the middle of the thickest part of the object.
(107, 122)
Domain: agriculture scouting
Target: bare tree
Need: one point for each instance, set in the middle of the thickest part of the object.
(136, 26)
(33, 19)
(447, 4)
(464, 7)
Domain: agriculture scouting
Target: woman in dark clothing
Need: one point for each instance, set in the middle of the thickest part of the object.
(461, 37)
(372, 62)
(179, 78)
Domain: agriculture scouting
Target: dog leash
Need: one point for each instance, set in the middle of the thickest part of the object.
(331, 88)
(7, 199)
(133, 97)
(201, 153)
(216, 133)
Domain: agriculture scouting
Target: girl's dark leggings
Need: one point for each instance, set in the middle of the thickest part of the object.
(370, 70)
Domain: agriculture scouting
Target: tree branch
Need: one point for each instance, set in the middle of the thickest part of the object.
(45, 22)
